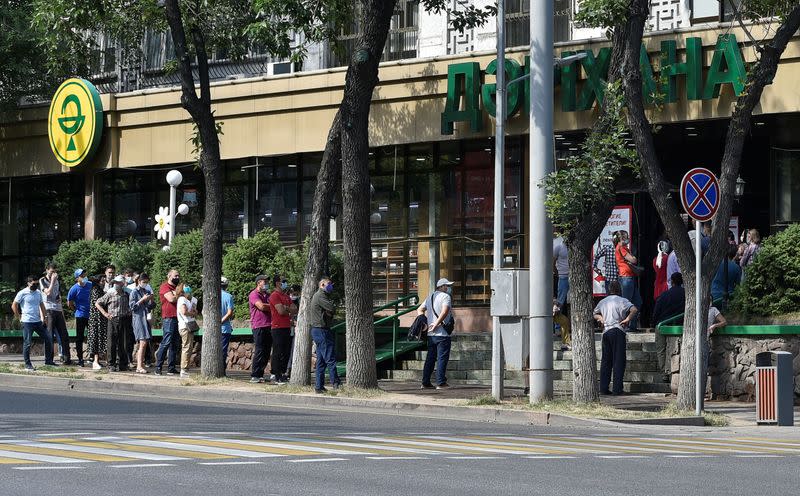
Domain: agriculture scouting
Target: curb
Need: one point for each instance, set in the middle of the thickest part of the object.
(308, 401)
(304, 401)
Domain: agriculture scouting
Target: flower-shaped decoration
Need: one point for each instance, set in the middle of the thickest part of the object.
(162, 223)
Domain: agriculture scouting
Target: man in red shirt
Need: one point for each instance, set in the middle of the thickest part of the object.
(282, 310)
(168, 293)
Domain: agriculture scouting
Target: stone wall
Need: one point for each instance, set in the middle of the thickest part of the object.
(732, 364)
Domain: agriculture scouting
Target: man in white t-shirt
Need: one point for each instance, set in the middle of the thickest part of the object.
(715, 321)
(614, 313)
(438, 308)
(29, 309)
(187, 325)
(562, 268)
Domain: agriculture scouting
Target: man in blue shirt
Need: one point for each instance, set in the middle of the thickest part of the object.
(28, 307)
(733, 278)
(226, 309)
(78, 301)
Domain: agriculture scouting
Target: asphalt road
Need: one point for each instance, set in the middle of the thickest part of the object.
(356, 453)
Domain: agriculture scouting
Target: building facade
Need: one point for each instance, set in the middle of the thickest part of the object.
(431, 155)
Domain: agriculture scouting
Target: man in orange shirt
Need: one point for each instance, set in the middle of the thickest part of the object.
(282, 308)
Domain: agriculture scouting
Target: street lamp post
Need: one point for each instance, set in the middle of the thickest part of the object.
(174, 179)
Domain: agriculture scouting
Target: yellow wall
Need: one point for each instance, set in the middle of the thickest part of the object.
(288, 114)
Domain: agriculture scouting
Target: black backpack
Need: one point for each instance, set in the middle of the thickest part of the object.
(419, 329)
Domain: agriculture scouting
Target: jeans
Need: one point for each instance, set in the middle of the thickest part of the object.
(613, 358)
(630, 292)
(81, 323)
(57, 327)
(438, 354)
(226, 340)
(117, 354)
(563, 290)
(326, 356)
(262, 344)
(28, 328)
(170, 343)
(281, 349)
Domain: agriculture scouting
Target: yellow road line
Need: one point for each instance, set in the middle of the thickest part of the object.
(64, 454)
(14, 461)
(238, 446)
(566, 444)
(485, 447)
(146, 449)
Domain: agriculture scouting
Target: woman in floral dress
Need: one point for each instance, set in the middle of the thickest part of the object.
(98, 325)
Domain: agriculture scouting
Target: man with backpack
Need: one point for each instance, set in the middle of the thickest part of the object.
(438, 309)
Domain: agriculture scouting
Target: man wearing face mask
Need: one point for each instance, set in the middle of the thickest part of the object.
(50, 287)
(28, 308)
(438, 308)
(109, 280)
(282, 309)
(115, 306)
(260, 323)
(78, 301)
(321, 316)
(168, 293)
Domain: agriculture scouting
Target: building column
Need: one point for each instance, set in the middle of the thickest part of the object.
(91, 205)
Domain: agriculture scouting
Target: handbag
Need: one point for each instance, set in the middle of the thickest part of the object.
(192, 326)
(637, 269)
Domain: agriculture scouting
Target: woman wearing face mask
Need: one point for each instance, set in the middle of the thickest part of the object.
(322, 311)
(187, 326)
(628, 270)
(98, 325)
(141, 302)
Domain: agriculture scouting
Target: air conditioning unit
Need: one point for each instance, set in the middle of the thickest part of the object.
(277, 68)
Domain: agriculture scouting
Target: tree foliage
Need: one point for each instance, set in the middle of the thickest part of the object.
(589, 176)
(772, 284)
(90, 255)
(135, 255)
(602, 13)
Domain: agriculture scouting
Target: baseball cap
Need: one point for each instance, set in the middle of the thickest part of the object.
(223, 280)
(119, 279)
(78, 273)
(444, 282)
(261, 277)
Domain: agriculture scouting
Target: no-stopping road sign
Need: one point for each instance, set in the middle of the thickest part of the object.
(700, 194)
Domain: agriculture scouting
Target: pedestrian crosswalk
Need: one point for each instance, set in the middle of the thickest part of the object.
(129, 450)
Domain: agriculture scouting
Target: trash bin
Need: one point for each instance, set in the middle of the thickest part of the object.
(774, 388)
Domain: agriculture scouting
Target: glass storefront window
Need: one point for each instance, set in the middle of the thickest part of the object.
(387, 208)
(276, 207)
(786, 185)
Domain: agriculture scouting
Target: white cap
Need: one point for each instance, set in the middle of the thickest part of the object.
(444, 282)
(119, 279)
(223, 280)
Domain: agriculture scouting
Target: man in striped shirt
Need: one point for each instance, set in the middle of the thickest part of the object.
(114, 306)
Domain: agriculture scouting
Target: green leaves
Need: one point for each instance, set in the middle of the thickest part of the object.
(772, 282)
(589, 176)
(464, 17)
(602, 13)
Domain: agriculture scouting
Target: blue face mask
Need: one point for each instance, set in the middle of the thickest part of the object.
(450, 290)
(329, 287)
(284, 286)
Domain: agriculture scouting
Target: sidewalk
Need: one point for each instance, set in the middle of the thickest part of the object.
(394, 395)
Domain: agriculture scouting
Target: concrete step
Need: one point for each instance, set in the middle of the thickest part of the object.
(630, 365)
(644, 356)
(637, 377)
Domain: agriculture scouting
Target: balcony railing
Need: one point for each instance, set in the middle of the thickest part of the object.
(400, 44)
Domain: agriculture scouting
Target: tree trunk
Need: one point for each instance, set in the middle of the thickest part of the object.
(318, 249)
(584, 357)
(758, 77)
(361, 79)
(199, 107)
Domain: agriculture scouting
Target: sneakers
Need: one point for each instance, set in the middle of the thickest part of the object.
(30, 368)
(282, 380)
(157, 372)
(338, 385)
(443, 386)
(184, 374)
(256, 380)
(322, 390)
(427, 386)
(172, 372)
(96, 366)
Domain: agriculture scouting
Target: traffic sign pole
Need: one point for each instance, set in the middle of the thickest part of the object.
(698, 321)
(700, 195)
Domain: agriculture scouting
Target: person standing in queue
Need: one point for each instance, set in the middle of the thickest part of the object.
(226, 309)
(115, 306)
(78, 300)
(628, 273)
(438, 308)
(614, 313)
(50, 287)
(28, 308)
(260, 323)
(187, 326)
(168, 293)
(98, 325)
(282, 309)
(142, 303)
(321, 317)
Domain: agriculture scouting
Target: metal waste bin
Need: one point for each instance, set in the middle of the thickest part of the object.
(509, 302)
(774, 388)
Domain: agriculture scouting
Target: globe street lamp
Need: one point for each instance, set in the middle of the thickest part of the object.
(174, 179)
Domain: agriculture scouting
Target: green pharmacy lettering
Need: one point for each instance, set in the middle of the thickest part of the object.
(727, 67)
(692, 69)
(71, 125)
(489, 90)
(462, 80)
